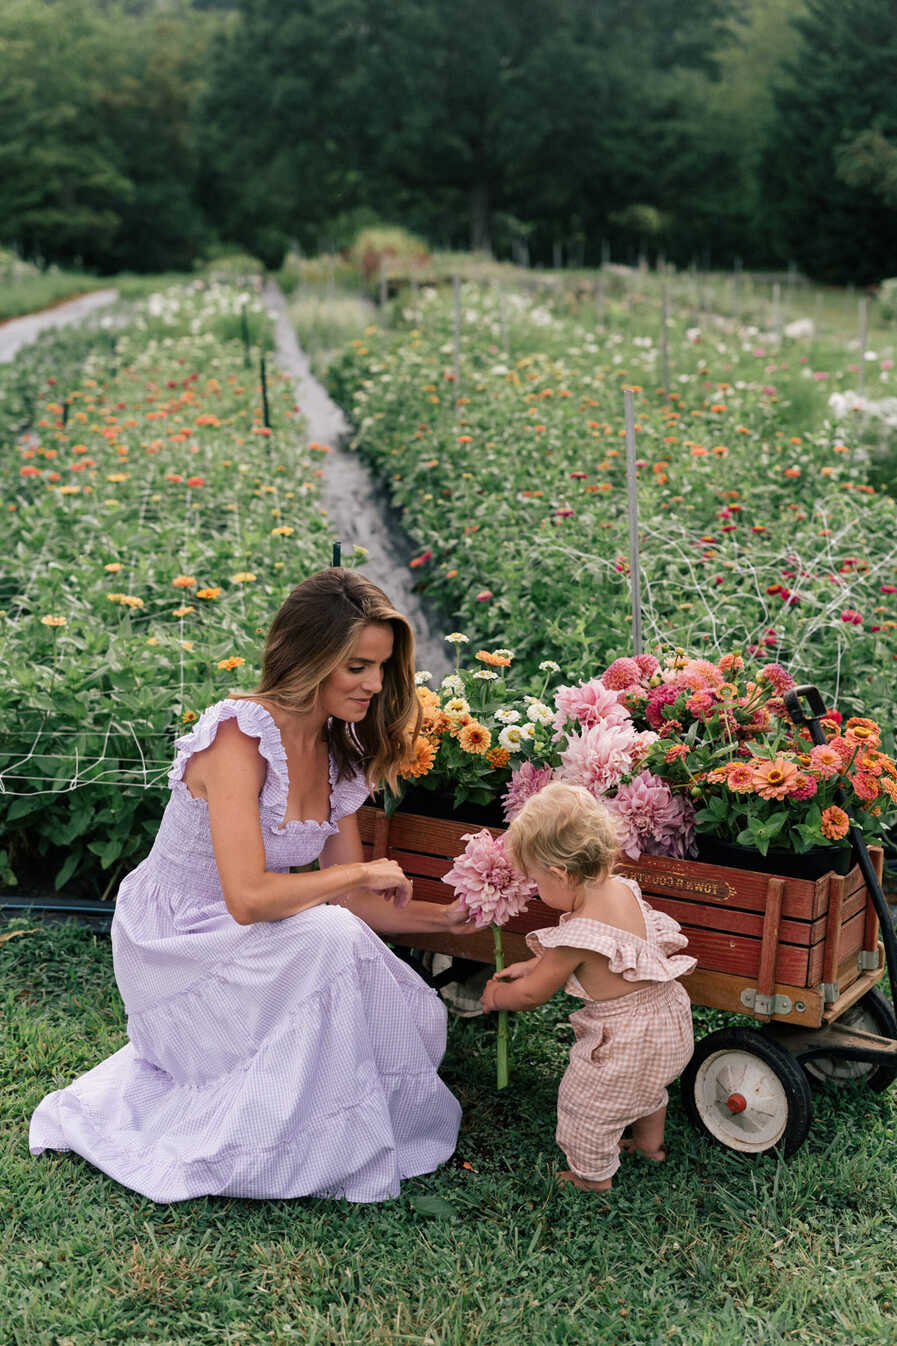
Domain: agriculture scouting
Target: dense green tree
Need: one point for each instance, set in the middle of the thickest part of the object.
(836, 215)
(97, 164)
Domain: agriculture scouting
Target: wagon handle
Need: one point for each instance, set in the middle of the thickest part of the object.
(797, 715)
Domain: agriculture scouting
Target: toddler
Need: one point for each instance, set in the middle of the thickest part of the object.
(634, 1034)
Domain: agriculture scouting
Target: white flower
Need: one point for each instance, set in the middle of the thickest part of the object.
(539, 713)
(511, 738)
(485, 675)
(457, 706)
(505, 715)
(456, 638)
(422, 676)
(504, 654)
(452, 683)
(528, 731)
(549, 666)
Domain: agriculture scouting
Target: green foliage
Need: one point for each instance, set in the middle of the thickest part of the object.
(836, 214)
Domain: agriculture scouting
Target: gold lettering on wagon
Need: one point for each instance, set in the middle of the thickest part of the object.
(647, 880)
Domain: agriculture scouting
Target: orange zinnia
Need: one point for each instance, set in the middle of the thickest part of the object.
(834, 823)
(475, 738)
(424, 755)
(493, 660)
(775, 779)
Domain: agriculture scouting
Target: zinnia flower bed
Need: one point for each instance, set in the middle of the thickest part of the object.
(151, 525)
(757, 531)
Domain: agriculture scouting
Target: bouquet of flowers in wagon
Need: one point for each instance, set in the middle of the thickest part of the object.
(679, 747)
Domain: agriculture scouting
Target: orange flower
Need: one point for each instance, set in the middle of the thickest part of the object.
(182, 581)
(233, 662)
(774, 779)
(741, 779)
(183, 612)
(499, 757)
(426, 697)
(493, 660)
(475, 738)
(423, 754)
(834, 823)
(862, 731)
(208, 593)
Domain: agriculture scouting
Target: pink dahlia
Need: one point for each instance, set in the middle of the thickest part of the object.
(621, 674)
(661, 696)
(652, 819)
(483, 877)
(527, 780)
(649, 665)
(589, 703)
(600, 757)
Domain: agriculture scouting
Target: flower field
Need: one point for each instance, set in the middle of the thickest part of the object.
(759, 529)
(152, 523)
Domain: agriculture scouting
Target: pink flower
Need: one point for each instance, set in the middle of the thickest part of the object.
(621, 674)
(484, 879)
(852, 616)
(589, 703)
(600, 757)
(652, 819)
(700, 704)
(780, 678)
(526, 780)
(649, 665)
(804, 787)
(484, 595)
(661, 696)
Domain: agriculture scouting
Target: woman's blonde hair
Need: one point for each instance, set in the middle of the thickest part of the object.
(314, 632)
(564, 827)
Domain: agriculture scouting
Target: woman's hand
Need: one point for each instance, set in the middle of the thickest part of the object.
(387, 880)
(514, 971)
(455, 919)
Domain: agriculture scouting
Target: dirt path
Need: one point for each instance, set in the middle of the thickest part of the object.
(358, 509)
(19, 332)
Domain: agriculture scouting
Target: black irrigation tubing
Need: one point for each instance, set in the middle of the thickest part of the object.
(96, 915)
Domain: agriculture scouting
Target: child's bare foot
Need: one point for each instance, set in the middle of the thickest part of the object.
(567, 1176)
(631, 1146)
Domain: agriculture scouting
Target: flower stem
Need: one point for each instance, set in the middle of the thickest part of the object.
(501, 1055)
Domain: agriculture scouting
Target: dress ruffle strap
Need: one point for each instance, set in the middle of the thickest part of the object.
(254, 721)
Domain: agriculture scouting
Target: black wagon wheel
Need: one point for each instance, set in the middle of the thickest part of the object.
(745, 1092)
(873, 1014)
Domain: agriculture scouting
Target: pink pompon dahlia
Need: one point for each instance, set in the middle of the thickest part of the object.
(621, 674)
(652, 819)
(526, 780)
(483, 877)
(648, 664)
(589, 703)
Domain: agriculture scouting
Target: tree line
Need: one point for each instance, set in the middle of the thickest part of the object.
(139, 134)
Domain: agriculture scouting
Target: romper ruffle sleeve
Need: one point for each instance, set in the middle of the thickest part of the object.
(658, 957)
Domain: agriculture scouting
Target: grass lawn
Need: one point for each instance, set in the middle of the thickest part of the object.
(710, 1248)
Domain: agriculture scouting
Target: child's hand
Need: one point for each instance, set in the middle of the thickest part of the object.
(516, 970)
(488, 1000)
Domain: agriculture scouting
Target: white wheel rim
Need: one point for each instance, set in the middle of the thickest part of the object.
(835, 1069)
(741, 1076)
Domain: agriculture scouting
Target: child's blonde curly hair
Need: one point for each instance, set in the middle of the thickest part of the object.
(564, 827)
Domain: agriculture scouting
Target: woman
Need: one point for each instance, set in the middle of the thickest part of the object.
(277, 1047)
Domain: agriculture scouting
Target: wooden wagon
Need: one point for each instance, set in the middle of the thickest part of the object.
(800, 957)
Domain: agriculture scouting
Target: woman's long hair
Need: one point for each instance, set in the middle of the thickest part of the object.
(313, 633)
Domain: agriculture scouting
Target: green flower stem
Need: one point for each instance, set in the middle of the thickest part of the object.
(501, 1054)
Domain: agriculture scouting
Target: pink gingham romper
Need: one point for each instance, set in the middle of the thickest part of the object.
(628, 1049)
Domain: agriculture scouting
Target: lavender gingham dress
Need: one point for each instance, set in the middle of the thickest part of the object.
(280, 1059)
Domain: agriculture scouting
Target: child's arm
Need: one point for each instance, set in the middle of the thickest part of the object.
(550, 972)
(516, 970)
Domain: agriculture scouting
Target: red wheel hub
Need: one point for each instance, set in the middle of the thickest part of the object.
(736, 1102)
